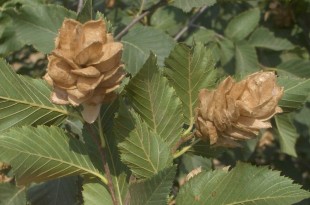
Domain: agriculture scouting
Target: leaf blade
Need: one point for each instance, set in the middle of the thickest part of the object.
(187, 5)
(139, 42)
(266, 188)
(142, 150)
(248, 19)
(153, 191)
(44, 153)
(25, 101)
(156, 102)
(189, 70)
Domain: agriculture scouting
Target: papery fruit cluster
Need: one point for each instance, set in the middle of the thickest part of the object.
(85, 67)
(237, 110)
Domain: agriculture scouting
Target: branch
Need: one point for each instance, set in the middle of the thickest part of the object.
(191, 22)
(80, 6)
(132, 23)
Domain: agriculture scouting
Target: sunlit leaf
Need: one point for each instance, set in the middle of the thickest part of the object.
(246, 58)
(38, 25)
(264, 38)
(296, 91)
(12, 195)
(287, 134)
(187, 5)
(58, 191)
(153, 191)
(25, 101)
(295, 68)
(245, 184)
(243, 24)
(189, 70)
(156, 102)
(141, 149)
(139, 42)
(96, 193)
(44, 153)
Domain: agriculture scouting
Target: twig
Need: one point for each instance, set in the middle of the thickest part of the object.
(80, 6)
(193, 19)
(185, 149)
(93, 135)
(181, 141)
(131, 24)
(105, 164)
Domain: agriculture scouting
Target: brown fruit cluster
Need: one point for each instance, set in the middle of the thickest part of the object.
(85, 66)
(237, 110)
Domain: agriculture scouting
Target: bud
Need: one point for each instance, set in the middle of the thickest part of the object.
(85, 67)
(237, 110)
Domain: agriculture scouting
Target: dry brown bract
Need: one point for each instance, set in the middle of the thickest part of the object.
(237, 110)
(85, 66)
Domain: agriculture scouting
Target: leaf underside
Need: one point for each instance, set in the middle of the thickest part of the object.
(156, 102)
(44, 153)
(25, 101)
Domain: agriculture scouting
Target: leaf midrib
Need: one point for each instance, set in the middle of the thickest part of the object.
(35, 105)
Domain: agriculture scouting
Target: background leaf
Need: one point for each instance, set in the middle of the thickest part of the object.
(153, 191)
(189, 70)
(44, 153)
(296, 91)
(287, 133)
(156, 102)
(243, 24)
(295, 68)
(266, 187)
(141, 149)
(246, 58)
(264, 38)
(12, 195)
(58, 191)
(38, 25)
(139, 42)
(187, 5)
(86, 13)
(96, 193)
(25, 101)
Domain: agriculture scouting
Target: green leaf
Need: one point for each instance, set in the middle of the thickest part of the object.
(38, 25)
(44, 153)
(153, 191)
(142, 5)
(246, 58)
(243, 24)
(12, 195)
(59, 191)
(201, 35)
(141, 149)
(169, 19)
(139, 42)
(264, 38)
(295, 68)
(86, 13)
(25, 101)
(96, 193)
(156, 102)
(287, 133)
(189, 70)
(245, 184)
(187, 5)
(296, 91)
(227, 50)
(190, 162)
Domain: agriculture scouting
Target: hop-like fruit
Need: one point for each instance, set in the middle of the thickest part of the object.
(237, 110)
(85, 67)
